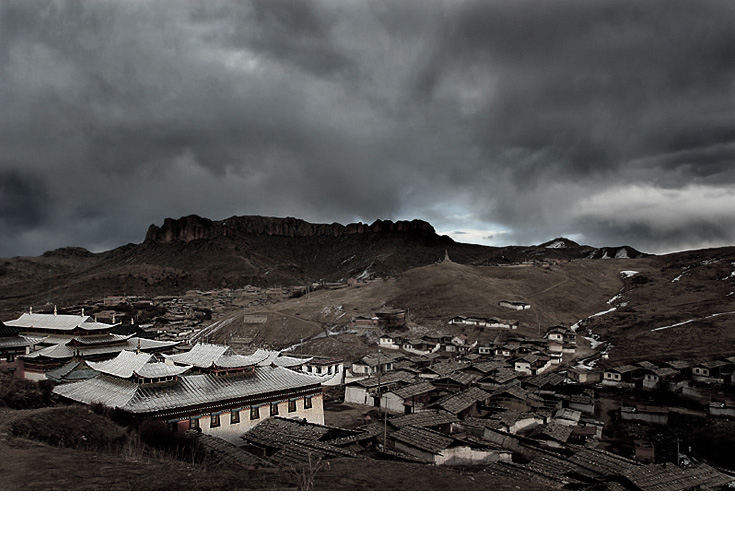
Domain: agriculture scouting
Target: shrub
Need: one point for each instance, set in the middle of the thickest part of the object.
(18, 393)
(74, 427)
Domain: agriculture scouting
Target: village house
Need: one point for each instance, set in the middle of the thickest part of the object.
(462, 404)
(439, 449)
(516, 399)
(409, 399)
(392, 342)
(656, 376)
(713, 372)
(455, 381)
(292, 440)
(584, 375)
(373, 364)
(435, 419)
(491, 323)
(212, 389)
(644, 450)
(645, 413)
(515, 305)
(420, 347)
(624, 376)
(501, 378)
(367, 391)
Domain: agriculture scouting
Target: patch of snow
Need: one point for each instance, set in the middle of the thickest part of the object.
(693, 320)
(603, 312)
(622, 254)
(364, 275)
(348, 259)
(675, 325)
(623, 304)
(613, 299)
(557, 244)
(604, 255)
(628, 274)
(729, 294)
(594, 343)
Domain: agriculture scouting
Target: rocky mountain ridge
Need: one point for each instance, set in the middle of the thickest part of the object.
(193, 227)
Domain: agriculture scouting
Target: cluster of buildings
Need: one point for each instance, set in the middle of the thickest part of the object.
(545, 459)
(527, 356)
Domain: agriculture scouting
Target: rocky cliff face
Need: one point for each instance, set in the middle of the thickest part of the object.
(193, 227)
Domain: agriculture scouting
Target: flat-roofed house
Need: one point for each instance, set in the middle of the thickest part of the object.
(515, 305)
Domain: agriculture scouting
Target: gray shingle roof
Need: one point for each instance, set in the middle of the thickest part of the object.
(671, 477)
(456, 403)
(187, 391)
(205, 356)
(415, 389)
(423, 439)
(72, 371)
(59, 322)
(123, 365)
(278, 431)
(424, 419)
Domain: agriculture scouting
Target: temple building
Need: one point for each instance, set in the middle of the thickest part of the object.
(13, 345)
(210, 388)
(58, 338)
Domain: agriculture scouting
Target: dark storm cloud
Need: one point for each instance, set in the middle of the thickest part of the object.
(23, 201)
(529, 119)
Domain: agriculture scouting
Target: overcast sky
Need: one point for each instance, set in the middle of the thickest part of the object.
(498, 121)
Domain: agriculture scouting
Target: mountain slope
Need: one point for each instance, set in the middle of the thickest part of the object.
(194, 252)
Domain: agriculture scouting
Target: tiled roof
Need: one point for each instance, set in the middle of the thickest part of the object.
(221, 451)
(207, 355)
(456, 403)
(200, 353)
(423, 439)
(100, 339)
(510, 417)
(504, 375)
(556, 431)
(415, 389)
(303, 452)
(72, 371)
(7, 331)
(158, 369)
(671, 477)
(290, 361)
(14, 342)
(63, 351)
(278, 431)
(187, 391)
(388, 378)
(424, 419)
(462, 377)
(446, 367)
(123, 365)
(62, 322)
(596, 463)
